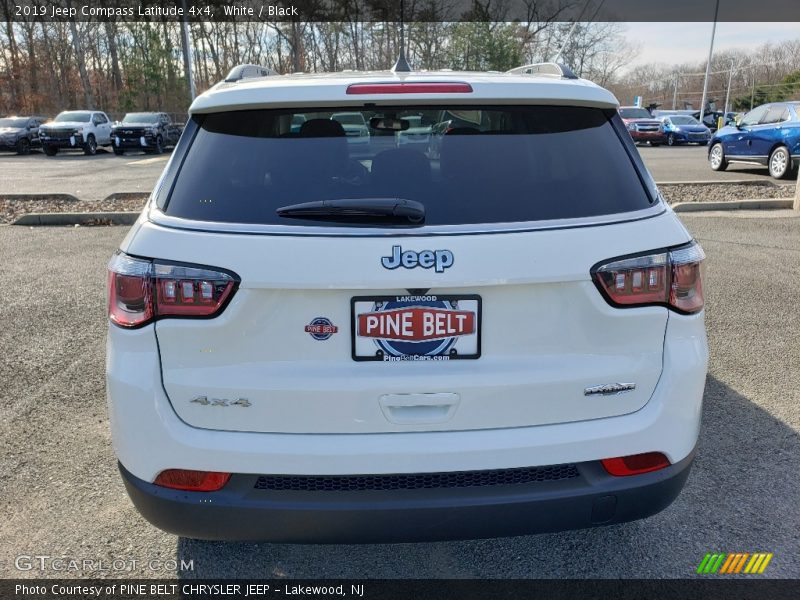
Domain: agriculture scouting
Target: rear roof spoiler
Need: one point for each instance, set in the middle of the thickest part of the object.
(548, 69)
(240, 72)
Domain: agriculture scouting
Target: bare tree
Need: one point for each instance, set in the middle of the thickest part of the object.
(80, 58)
(121, 66)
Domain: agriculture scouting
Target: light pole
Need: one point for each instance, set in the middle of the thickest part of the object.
(796, 205)
(728, 94)
(186, 42)
(675, 92)
(708, 64)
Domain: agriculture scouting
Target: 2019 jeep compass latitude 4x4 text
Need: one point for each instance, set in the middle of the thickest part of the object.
(503, 338)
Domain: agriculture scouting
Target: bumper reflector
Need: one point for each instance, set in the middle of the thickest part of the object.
(193, 481)
(635, 464)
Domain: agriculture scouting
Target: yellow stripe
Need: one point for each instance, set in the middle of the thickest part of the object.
(765, 563)
(753, 559)
(741, 562)
(729, 560)
(758, 562)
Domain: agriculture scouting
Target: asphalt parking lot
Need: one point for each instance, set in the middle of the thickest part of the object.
(85, 177)
(95, 177)
(61, 495)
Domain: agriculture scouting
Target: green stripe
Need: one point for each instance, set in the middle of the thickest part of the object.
(703, 563)
(719, 562)
(712, 562)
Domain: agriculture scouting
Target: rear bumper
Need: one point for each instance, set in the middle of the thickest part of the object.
(241, 512)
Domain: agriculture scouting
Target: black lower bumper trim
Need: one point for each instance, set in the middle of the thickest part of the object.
(241, 512)
(66, 144)
(135, 143)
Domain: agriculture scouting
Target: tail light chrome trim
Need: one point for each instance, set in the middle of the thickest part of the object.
(671, 277)
(142, 290)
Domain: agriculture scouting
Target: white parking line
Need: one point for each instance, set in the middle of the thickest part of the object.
(148, 161)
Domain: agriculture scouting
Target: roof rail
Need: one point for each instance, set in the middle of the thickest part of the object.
(547, 69)
(240, 72)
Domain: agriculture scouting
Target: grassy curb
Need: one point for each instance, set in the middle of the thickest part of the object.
(766, 204)
(87, 218)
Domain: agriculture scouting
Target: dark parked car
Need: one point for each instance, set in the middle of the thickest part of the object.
(683, 129)
(152, 132)
(711, 119)
(20, 134)
(768, 135)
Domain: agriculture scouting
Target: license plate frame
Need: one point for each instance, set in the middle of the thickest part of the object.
(435, 349)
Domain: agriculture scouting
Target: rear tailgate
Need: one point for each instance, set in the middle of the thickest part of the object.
(545, 333)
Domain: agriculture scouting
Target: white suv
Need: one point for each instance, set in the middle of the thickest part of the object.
(308, 347)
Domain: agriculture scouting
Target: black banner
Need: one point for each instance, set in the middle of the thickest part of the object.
(412, 10)
(463, 589)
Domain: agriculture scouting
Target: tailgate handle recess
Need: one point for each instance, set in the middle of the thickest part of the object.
(407, 409)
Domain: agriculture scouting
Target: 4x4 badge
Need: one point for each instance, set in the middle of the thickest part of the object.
(204, 401)
(439, 260)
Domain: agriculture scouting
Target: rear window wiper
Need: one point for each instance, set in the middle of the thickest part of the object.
(358, 209)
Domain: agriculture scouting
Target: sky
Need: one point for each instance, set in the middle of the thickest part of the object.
(675, 43)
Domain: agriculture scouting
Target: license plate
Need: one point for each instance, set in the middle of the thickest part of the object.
(416, 328)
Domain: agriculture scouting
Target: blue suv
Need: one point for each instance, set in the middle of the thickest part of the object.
(768, 135)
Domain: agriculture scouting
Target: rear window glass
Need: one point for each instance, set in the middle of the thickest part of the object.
(466, 165)
(635, 113)
(681, 120)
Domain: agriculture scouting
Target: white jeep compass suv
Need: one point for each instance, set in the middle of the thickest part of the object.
(500, 337)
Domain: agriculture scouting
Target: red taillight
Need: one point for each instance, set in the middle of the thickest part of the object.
(190, 291)
(409, 88)
(635, 464)
(670, 277)
(193, 481)
(686, 285)
(141, 290)
(130, 295)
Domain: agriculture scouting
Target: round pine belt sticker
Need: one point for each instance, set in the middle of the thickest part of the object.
(321, 328)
